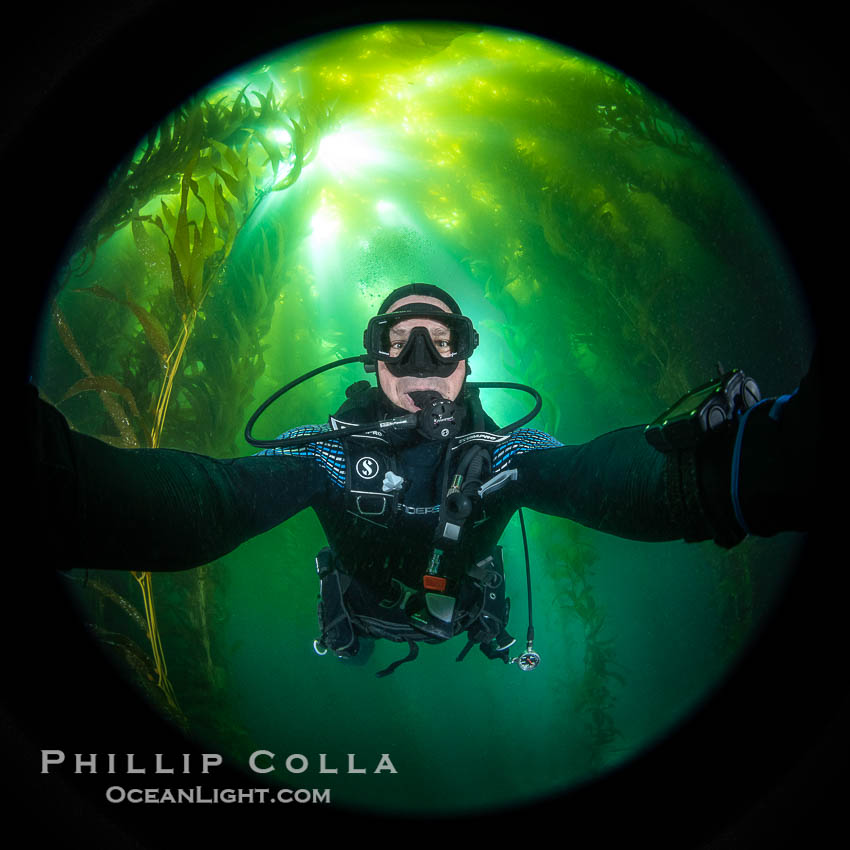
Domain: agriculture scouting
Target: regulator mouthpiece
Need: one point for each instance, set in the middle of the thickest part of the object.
(438, 417)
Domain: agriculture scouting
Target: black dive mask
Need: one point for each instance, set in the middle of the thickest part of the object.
(421, 353)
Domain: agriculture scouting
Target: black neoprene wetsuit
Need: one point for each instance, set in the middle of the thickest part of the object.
(170, 510)
(182, 510)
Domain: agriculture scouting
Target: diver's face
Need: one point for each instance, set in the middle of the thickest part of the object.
(397, 389)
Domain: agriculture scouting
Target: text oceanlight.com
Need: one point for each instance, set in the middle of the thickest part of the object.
(117, 794)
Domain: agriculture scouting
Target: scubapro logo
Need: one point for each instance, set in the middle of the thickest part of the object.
(367, 467)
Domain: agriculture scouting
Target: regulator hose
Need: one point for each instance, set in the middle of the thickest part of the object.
(409, 421)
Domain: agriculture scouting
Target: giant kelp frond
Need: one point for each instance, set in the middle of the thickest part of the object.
(203, 137)
(104, 589)
(570, 560)
(106, 387)
(129, 656)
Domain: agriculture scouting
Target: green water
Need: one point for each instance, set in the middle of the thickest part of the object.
(608, 257)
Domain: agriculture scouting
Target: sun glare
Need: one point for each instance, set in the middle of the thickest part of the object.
(348, 153)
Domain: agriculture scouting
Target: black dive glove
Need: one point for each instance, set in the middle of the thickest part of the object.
(761, 477)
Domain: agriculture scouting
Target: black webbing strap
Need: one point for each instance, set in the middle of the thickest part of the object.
(411, 656)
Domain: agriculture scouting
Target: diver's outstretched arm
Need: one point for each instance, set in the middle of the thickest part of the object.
(150, 509)
(616, 483)
(758, 477)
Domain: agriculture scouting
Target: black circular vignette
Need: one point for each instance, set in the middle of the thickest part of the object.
(761, 763)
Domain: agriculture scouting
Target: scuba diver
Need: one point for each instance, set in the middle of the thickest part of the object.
(414, 484)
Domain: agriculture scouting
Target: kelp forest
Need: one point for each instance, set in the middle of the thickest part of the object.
(590, 233)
